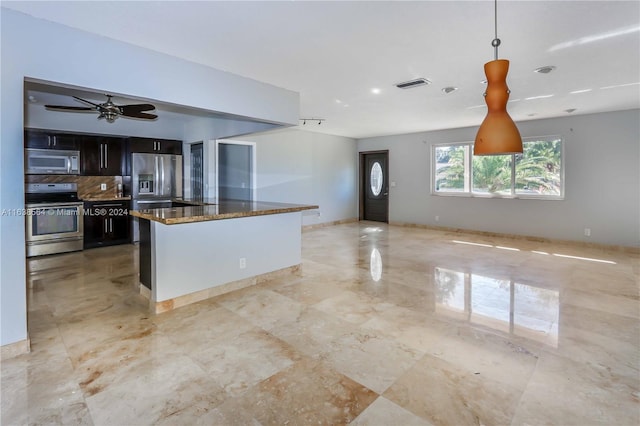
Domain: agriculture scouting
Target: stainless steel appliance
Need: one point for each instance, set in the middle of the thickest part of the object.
(155, 180)
(54, 222)
(52, 161)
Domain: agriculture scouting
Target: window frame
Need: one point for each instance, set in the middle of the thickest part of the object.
(468, 173)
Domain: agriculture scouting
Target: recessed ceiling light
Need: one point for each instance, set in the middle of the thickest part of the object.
(338, 101)
(545, 70)
(449, 89)
(375, 91)
(569, 110)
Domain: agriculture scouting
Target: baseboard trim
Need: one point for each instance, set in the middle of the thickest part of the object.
(14, 349)
(325, 224)
(198, 296)
(622, 249)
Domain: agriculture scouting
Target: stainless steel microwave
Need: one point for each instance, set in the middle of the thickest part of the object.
(52, 162)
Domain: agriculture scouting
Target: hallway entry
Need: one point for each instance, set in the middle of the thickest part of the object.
(236, 170)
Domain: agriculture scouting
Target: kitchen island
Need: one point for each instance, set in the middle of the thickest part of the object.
(203, 248)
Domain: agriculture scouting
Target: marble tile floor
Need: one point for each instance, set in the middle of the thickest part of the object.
(383, 325)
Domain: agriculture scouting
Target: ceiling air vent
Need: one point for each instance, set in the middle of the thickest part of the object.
(413, 83)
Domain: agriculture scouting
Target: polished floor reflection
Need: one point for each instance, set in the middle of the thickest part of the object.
(383, 325)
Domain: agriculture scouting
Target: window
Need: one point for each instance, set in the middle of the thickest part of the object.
(376, 179)
(536, 173)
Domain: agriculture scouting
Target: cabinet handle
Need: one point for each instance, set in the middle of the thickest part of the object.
(106, 155)
(55, 140)
(106, 226)
(111, 225)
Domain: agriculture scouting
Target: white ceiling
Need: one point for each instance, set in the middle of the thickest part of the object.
(334, 53)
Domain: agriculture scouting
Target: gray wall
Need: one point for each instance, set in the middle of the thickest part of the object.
(602, 183)
(39, 50)
(296, 166)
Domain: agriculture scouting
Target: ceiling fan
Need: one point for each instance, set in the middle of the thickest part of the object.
(110, 111)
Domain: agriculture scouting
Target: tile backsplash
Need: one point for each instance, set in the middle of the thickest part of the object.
(88, 186)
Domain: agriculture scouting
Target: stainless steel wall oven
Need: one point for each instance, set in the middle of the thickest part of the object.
(54, 222)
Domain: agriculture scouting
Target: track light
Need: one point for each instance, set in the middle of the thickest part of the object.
(319, 120)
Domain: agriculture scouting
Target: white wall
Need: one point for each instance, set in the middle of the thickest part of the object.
(45, 51)
(296, 166)
(267, 243)
(602, 183)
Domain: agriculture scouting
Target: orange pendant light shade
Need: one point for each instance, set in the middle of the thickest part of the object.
(498, 134)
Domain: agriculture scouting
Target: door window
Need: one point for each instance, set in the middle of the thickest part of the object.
(376, 178)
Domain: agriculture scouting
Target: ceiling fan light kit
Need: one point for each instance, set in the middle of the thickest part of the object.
(498, 134)
(109, 111)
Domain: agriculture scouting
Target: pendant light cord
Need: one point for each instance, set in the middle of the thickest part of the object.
(496, 41)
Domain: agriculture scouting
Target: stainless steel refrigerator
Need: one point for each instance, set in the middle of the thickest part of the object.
(155, 179)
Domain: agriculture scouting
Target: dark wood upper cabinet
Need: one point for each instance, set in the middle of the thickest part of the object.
(44, 139)
(102, 156)
(155, 146)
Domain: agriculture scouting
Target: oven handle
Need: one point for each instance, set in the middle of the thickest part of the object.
(49, 205)
(108, 205)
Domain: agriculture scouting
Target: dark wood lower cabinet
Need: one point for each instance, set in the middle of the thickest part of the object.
(145, 253)
(106, 223)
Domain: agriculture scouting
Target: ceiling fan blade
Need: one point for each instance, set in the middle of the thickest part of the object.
(86, 101)
(134, 108)
(140, 115)
(69, 108)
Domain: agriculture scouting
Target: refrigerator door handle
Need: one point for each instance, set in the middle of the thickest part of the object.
(156, 176)
(163, 181)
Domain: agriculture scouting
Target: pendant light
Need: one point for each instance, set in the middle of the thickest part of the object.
(498, 134)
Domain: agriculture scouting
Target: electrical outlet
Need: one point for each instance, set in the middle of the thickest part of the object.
(243, 262)
(587, 232)
(103, 186)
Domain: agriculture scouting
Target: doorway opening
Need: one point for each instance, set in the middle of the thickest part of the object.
(374, 186)
(235, 171)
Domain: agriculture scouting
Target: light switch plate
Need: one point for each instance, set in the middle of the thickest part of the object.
(103, 186)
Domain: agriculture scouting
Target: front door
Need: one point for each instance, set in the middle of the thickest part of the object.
(374, 191)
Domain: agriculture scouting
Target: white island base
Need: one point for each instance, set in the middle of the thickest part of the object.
(189, 262)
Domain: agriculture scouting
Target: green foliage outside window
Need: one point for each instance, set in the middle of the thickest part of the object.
(537, 172)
